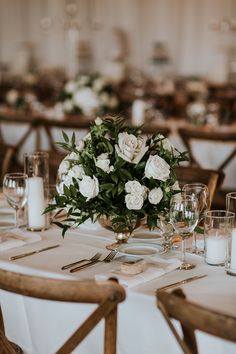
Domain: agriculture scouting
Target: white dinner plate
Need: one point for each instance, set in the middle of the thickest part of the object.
(140, 249)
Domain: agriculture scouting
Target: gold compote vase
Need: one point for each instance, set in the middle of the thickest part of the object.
(122, 234)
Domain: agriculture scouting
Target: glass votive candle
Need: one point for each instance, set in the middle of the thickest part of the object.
(36, 166)
(218, 226)
(231, 263)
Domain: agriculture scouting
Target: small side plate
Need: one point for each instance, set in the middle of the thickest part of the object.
(138, 249)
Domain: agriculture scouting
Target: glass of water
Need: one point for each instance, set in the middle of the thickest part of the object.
(15, 189)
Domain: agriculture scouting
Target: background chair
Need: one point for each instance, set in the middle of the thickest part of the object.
(213, 179)
(188, 134)
(106, 294)
(193, 317)
(6, 159)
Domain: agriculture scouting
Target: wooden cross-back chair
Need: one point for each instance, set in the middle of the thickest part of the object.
(213, 179)
(6, 156)
(107, 294)
(188, 134)
(193, 317)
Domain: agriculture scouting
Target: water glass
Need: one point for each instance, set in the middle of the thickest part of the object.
(218, 226)
(15, 189)
(201, 192)
(184, 215)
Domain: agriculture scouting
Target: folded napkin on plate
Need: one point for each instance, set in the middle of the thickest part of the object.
(153, 269)
(16, 238)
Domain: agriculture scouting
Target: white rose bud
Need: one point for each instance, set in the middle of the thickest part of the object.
(155, 195)
(130, 148)
(134, 201)
(157, 168)
(72, 156)
(68, 106)
(89, 187)
(175, 186)
(80, 145)
(98, 121)
(165, 143)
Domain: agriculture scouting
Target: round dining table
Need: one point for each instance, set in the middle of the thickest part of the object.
(41, 326)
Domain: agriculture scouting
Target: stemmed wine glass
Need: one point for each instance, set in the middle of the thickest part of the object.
(201, 192)
(166, 230)
(184, 216)
(15, 189)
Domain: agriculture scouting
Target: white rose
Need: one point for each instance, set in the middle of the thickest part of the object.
(134, 201)
(64, 166)
(103, 162)
(157, 168)
(98, 121)
(134, 187)
(87, 100)
(155, 195)
(89, 187)
(12, 96)
(76, 171)
(70, 87)
(130, 148)
(80, 145)
(68, 106)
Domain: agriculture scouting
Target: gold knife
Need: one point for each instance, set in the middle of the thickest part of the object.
(181, 282)
(32, 252)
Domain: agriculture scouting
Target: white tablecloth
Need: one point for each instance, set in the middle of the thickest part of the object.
(39, 326)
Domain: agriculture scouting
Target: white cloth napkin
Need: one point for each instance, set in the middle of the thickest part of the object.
(153, 269)
(16, 238)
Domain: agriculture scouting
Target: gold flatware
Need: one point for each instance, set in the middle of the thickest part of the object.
(32, 252)
(181, 282)
(94, 258)
(108, 259)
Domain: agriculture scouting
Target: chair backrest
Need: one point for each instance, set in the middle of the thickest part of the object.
(213, 179)
(6, 155)
(188, 134)
(193, 317)
(106, 294)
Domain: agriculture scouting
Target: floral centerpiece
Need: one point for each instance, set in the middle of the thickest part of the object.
(89, 95)
(117, 173)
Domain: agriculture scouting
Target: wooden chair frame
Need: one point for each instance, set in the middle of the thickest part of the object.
(213, 179)
(106, 294)
(201, 133)
(193, 317)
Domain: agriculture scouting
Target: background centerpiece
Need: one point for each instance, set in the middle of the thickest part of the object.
(89, 94)
(118, 175)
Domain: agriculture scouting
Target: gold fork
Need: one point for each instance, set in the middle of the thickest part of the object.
(94, 258)
(108, 259)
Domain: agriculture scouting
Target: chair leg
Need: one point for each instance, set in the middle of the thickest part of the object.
(110, 332)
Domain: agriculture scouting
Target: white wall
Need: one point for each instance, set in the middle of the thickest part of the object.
(182, 24)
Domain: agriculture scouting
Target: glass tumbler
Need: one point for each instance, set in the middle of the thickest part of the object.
(36, 166)
(218, 226)
(231, 206)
